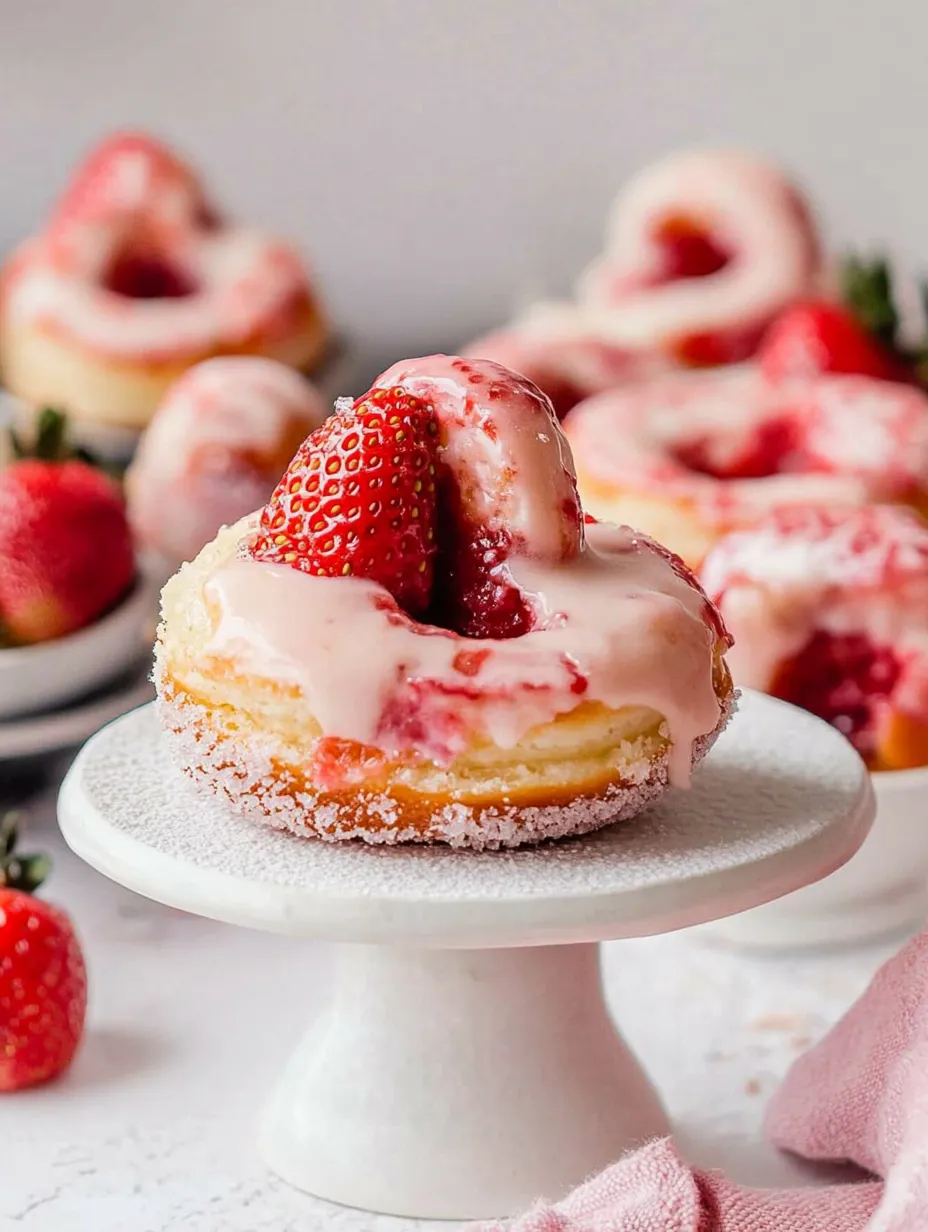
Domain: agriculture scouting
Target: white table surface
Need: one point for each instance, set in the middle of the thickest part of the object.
(191, 1021)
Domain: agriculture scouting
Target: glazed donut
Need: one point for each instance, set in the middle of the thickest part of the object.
(703, 250)
(215, 450)
(568, 368)
(308, 698)
(690, 456)
(829, 611)
(134, 279)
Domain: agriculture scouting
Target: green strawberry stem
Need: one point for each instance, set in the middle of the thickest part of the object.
(17, 872)
(867, 289)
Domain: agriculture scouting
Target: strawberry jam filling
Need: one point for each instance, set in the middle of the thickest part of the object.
(768, 450)
(687, 249)
(139, 273)
(846, 680)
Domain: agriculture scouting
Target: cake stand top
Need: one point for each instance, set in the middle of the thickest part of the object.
(780, 802)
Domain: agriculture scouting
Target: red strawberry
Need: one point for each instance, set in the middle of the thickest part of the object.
(43, 980)
(66, 552)
(814, 336)
(687, 250)
(359, 498)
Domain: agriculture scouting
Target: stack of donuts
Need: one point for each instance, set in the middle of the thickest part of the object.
(719, 395)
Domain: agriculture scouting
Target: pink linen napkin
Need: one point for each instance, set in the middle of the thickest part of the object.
(861, 1095)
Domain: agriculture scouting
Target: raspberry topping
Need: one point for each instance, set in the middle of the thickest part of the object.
(687, 250)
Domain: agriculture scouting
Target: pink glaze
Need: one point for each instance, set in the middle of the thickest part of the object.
(215, 449)
(800, 571)
(134, 194)
(832, 440)
(501, 440)
(619, 625)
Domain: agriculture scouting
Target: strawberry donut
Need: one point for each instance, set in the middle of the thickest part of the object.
(829, 611)
(704, 250)
(419, 640)
(215, 450)
(690, 456)
(134, 279)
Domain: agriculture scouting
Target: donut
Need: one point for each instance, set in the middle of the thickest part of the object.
(692, 455)
(829, 611)
(134, 279)
(418, 639)
(215, 450)
(704, 250)
(567, 366)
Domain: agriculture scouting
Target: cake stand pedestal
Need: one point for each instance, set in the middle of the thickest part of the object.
(466, 1063)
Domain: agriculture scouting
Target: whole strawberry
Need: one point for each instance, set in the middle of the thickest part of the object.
(66, 552)
(43, 979)
(857, 336)
(359, 499)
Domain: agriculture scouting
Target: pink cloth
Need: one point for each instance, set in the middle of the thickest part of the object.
(860, 1095)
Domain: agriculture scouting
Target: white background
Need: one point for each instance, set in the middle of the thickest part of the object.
(441, 159)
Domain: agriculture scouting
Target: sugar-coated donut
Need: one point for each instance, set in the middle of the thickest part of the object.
(134, 279)
(703, 251)
(214, 451)
(829, 610)
(308, 698)
(689, 456)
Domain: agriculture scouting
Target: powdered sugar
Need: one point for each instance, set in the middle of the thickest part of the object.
(779, 779)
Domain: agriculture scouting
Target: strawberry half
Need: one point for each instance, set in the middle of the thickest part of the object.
(359, 498)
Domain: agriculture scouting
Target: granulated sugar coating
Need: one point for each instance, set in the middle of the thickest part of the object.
(777, 781)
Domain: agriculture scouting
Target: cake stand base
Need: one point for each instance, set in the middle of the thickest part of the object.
(466, 1063)
(458, 1084)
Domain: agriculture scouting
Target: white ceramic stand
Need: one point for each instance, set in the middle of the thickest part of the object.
(467, 1063)
(882, 891)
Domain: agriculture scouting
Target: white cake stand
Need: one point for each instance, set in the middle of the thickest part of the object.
(467, 1063)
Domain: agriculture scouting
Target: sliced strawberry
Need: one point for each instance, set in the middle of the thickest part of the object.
(66, 552)
(359, 498)
(814, 336)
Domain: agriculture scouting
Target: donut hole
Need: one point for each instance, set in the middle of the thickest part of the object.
(688, 248)
(845, 679)
(770, 448)
(138, 272)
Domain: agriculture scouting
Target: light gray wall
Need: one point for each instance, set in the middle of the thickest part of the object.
(440, 158)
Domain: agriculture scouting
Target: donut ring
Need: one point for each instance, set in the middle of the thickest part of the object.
(134, 279)
(214, 451)
(691, 456)
(743, 231)
(829, 610)
(704, 249)
(316, 704)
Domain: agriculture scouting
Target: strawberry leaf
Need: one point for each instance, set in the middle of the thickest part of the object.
(17, 872)
(866, 288)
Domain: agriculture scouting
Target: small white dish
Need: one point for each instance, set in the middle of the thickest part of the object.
(45, 735)
(881, 891)
(47, 675)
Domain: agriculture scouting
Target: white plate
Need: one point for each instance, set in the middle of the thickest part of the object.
(47, 734)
